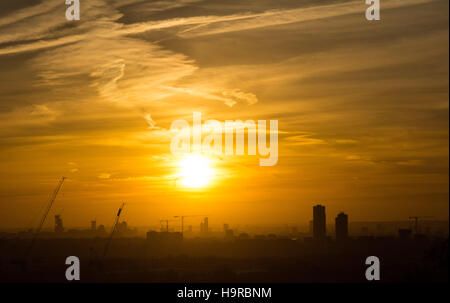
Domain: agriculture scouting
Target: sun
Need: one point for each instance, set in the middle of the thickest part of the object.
(195, 171)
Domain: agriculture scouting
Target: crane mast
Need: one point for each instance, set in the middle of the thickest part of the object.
(47, 210)
(182, 221)
(113, 230)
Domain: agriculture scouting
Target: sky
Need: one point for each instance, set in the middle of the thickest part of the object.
(362, 108)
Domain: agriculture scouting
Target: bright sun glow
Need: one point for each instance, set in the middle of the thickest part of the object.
(195, 171)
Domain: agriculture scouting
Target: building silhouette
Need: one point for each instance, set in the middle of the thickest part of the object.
(122, 227)
(204, 228)
(93, 225)
(319, 222)
(243, 236)
(58, 224)
(101, 229)
(341, 227)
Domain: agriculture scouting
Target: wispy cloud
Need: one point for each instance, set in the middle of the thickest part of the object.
(361, 105)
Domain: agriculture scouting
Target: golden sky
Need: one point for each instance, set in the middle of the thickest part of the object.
(362, 106)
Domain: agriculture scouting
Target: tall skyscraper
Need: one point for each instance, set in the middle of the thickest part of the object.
(204, 228)
(341, 227)
(205, 225)
(319, 222)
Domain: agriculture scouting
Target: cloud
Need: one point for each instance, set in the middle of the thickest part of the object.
(36, 114)
(346, 141)
(304, 139)
(238, 95)
(150, 122)
(124, 70)
(101, 18)
(212, 25)
(108, 74)
(31, 22)
(228, 96)
(42, 111)
(104, 176)
(129, 70)
(355, 100)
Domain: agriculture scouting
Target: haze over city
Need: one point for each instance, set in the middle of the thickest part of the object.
(362, 109)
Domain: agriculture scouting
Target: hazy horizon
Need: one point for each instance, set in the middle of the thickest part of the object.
(362, 109)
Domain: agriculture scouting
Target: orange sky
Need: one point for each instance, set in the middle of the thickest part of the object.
(362, 108)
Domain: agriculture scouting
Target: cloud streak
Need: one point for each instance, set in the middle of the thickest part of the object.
(362, 106)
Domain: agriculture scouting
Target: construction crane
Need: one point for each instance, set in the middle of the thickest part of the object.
(167, 224)
(113, 230)
(416, 222)
(46, 211)
(182, 221)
